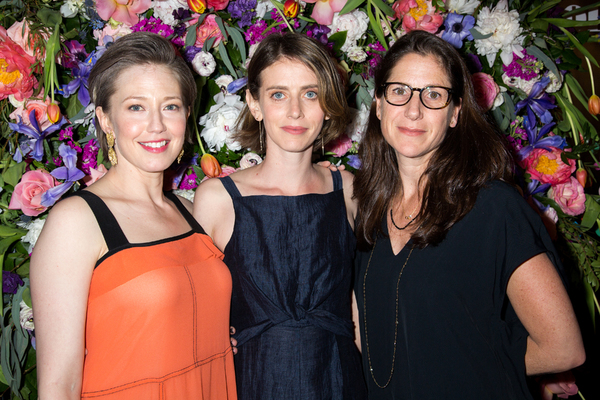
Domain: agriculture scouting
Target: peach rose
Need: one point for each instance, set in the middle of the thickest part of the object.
(486, 90)
(40, 107)
(547, 166)
(207, 29)
(27, 195)
(20, 34)
(569, 196)
(15, 69)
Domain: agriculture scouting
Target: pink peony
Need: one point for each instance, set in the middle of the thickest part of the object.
(95, 174)
(418, 15)
(15, 69)
(20, 34)
(218, 4)
(207, 29)
(547, 166)
(569, 196)
(324, 10)
(27, 195)
(486, 90)
(561, 384)
(125, 11)
(340, 145)
(40, 107)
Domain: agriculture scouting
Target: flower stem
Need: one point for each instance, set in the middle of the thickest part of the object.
(282, 16)
(575, 135)
(197, 133)
(580, 395)
(591, 75)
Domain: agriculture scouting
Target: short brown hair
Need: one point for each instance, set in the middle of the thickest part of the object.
(137, 48)
(297, 47)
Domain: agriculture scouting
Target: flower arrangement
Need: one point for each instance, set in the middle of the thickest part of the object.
(520, 55)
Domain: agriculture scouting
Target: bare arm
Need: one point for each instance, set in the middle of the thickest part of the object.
(61, 269)
(356, 321)
(351, 205)
(213, 209)
(541, 302)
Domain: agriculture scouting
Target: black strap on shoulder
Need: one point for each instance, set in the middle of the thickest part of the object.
(184, 211)
(338, 183)
(230, 187)
(112, 232)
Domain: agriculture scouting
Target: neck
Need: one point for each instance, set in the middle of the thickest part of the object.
(289, 171)
(131, 184)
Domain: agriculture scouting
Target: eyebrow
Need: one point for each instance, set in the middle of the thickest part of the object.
(168, 98)
(286, 87)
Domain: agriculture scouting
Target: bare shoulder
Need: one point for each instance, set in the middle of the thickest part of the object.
(188, 204)
(209, 193)
(213, 209)
(351, 206)
(348, 179)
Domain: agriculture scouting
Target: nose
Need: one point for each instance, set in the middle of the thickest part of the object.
(156, 122)
(295, 108)
(413, 109)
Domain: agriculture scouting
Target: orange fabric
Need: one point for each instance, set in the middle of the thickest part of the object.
(158, 323)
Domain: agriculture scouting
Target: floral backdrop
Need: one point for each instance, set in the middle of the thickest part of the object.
(520, 54)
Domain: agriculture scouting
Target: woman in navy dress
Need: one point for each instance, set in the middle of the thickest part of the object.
(286, 229)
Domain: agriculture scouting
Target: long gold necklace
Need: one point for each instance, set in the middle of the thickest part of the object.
(407, 217)
(395, 325)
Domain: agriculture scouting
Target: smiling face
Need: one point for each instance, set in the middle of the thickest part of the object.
(147, 117)
(413, 130)
(288, 105)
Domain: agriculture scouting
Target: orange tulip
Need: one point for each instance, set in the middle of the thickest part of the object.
(210, 166)
(197, 6)
(581, 176)
(53, 112)
(594, 105)
(291, 8)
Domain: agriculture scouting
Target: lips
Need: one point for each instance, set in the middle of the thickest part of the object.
(155, 147)
(411, 131)
(294, 130)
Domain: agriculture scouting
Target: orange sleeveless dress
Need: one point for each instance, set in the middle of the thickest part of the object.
(158, 317)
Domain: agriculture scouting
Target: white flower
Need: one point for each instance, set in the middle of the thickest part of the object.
(263, 7)
(499, 100)
(505, 29)
(360, 118)
(70, 8)
(223, 81)
(186, 194)
(34, 229)
(250, 160)
(163, 9)
(355, 24)
(555, 82)
(462, 6)
(204, 63)
(26, 317)
(519, 83)
(219, 123)
(357, 54)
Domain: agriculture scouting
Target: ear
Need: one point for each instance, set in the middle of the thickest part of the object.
(455, 114)
(103, 120)
(253, 106)
(378, 107)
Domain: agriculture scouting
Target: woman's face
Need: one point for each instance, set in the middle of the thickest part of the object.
(413, 130)
(288, 105)
(147, 117)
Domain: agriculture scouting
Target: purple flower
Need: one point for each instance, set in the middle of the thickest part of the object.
(237, 85)
(190, 52)
(11, 282)
(90, 154)
(536, 104)
(318, 32)
(74, 54)
(79, 83)
(354, 161)
(69, 173)
(256, 33)
(457, 29)
(189, 181)
(153, 25)
(522, 67)
(244, 10)
(35, 144)
(535, 138)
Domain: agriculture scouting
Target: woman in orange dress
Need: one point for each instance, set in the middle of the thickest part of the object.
(130, 296)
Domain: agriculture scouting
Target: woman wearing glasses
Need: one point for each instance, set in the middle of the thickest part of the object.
(457, 286)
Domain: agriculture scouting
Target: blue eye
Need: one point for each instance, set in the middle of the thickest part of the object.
(172, 107)
(277, 95)
(311, 94)
(135, 107)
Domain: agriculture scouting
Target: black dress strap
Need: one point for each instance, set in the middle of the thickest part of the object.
(196, 227)
(230, 187)
(112, 232)
(338, 183)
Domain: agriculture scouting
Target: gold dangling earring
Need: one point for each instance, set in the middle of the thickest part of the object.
(179, 157)
(260, 133)
(112, 156)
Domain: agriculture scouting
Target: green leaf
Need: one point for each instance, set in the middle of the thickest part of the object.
(580, 10)
(13, 174)
(376, 26)
(239, 41)
(577, 90)
(350, 6)
(569, 23)
(6, 231)
(225, 58)
(49, 17)
(579, 46)
(338, 39)
(387, 10)
(589, 299)
(539, 54)
(592, 210)
(208, 44)
(478, 35)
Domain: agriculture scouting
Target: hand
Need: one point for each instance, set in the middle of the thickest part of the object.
(233, 341)
(333, 167)
(561, 384)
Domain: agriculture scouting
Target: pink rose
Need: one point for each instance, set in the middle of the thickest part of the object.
(547, 166)
(40, 107)
(561, 384)
(569, 196)
(418, 15)
(15, 69)
(218, 4)
(486, 90)
(339, 146)
(125, 11)
(27, 195)
(207, 29)
(24, 38)
(225, 170)
(95, 174)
